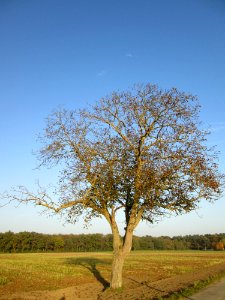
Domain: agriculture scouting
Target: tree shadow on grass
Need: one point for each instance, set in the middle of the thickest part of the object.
(90, 264)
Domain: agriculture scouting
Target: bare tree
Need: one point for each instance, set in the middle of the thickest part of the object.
(141, 152)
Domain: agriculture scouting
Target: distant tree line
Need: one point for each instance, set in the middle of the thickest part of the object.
(38, 242)
(188, 242)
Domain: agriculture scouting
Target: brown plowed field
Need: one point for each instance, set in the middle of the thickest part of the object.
(65, 276)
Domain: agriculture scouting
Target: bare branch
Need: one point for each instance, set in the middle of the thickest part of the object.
(142, 152)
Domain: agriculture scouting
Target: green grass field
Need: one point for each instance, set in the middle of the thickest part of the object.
(49, 271)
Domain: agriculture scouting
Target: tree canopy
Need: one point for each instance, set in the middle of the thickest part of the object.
(142, 152)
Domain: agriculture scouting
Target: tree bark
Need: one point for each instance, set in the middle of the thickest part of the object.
(119, 254)
(120, 250)
(117, 269)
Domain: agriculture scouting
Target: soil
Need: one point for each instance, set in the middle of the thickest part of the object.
(135, 288)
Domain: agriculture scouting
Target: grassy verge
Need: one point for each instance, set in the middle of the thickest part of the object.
(196, 287)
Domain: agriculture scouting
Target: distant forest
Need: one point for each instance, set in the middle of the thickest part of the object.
(38, 242)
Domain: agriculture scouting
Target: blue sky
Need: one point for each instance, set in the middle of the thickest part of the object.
(69, 53)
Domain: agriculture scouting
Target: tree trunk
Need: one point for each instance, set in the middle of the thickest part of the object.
(117, 269)
(119, 255)
(120, 250)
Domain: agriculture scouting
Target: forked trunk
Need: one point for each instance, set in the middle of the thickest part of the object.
(117, 269)
(120, 250)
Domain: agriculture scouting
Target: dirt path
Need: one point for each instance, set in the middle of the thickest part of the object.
(215, 291)
(135, 288)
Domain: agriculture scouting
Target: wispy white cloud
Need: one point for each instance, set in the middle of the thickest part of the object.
(101, 73)
(130, 55)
